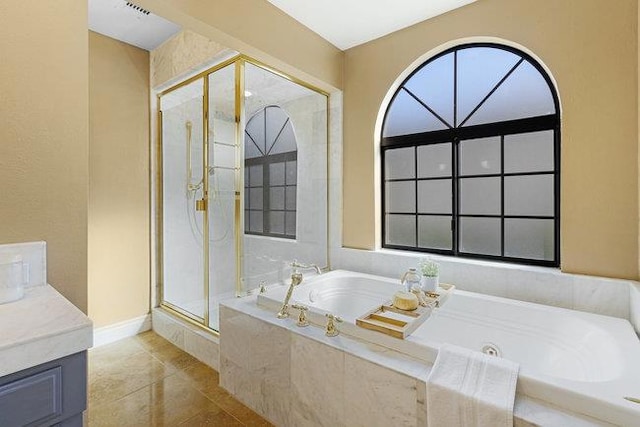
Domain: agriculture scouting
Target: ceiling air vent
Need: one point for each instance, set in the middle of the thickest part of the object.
(138, 8)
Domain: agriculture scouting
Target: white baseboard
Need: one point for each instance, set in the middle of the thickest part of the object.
(118, 331)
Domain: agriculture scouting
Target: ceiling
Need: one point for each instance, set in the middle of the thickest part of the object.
(344, 23)
(348, 23)
(129, 23)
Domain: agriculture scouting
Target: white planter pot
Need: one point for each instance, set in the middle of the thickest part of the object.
(429, 284)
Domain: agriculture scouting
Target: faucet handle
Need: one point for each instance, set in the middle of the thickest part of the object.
(263, 286)
(302, 318)
(331, 329)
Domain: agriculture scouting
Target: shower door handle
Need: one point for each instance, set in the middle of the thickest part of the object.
(201, 205)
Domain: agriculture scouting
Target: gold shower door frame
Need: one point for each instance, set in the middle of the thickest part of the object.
(239, 84)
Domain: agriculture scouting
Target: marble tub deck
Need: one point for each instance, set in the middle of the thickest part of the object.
(299, 377)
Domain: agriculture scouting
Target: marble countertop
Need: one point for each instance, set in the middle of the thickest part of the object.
(41, 327)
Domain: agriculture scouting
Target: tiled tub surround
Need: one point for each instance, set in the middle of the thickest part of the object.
(299, 377)
(541, 285)
(579, 360)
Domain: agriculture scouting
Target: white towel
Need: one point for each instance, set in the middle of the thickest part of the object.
(470, 389)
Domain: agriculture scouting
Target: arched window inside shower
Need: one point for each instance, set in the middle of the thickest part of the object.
(242, 185)
(470, 153)
(270, 174)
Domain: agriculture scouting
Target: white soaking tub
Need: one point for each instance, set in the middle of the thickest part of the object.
(583, 362)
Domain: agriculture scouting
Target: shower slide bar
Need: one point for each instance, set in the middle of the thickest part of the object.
(190, 185)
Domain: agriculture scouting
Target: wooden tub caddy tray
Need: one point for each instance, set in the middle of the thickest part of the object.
(398, 323)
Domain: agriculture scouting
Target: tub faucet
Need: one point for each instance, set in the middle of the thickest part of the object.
(331, 330)
(296, 279)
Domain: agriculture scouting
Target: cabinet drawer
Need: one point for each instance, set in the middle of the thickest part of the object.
(54, 393)
(32, 400)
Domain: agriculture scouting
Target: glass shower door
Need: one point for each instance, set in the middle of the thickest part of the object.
(285, 176)
(183, 200)
(243, 185)
(222, 176)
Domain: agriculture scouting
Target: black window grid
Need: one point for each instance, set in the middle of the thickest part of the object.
(454, 134)
(455, 213)
(266, 161)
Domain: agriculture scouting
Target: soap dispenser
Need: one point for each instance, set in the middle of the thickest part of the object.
(410, 280)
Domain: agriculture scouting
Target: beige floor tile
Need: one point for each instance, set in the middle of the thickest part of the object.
(165, 351)
(147, 381)
(241, 412)
(175, 358)
(150, 340)
(206, 380)
(167, 402)
(118, 378)
(200, 375)
(208, 418)
(113, 353)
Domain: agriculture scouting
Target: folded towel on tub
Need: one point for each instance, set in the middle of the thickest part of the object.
(470, 389)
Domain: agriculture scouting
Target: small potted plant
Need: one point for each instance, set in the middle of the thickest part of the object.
(430, 275)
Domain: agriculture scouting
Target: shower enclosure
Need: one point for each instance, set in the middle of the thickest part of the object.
(242, 185)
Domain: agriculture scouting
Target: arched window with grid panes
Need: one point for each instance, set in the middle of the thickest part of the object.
(270, 160)
(470, 153)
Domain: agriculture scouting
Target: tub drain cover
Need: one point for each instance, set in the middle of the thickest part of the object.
(491, 350)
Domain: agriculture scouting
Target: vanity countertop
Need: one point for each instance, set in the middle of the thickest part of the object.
(41, 327)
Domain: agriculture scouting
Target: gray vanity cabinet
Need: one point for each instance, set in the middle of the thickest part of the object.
(51, 394)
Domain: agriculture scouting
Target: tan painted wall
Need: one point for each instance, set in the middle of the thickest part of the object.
(181, 54)
(258, 29)
(44, 134)
(118, 181)
(591, 50)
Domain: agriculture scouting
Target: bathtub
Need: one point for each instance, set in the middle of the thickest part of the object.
(582, 362)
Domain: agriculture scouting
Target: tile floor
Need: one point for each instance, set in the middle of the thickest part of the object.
(147, 381)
